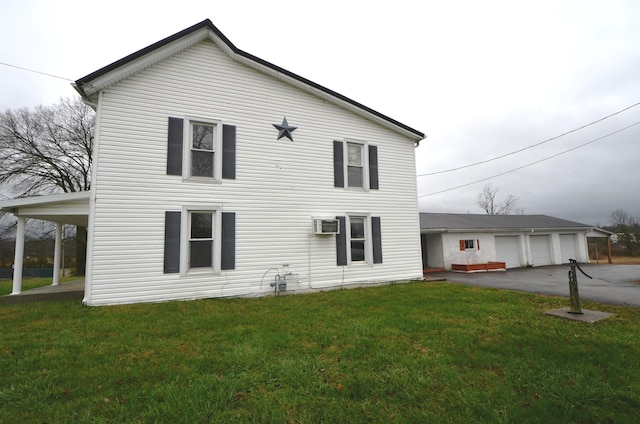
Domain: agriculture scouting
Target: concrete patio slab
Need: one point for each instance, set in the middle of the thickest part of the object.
(586, 315)
(71, 290)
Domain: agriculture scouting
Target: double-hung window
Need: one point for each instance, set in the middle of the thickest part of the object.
(201, 150)
(204, 143)
(199, 238)
(201, 225)
(359, 240)
(355, 165)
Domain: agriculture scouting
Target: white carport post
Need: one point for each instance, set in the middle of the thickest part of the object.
(57, 254)
(19, 257)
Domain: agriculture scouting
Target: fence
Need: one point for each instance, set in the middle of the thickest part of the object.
(28, 273)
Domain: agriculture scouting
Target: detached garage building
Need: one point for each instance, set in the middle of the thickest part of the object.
(516, 240)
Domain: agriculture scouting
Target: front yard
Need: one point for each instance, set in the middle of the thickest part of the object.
(419, 352)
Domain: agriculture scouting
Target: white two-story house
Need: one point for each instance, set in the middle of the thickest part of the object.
(216, 173)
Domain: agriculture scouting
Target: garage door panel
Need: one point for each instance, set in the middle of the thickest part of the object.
(568, 247)
(508, 251)
(540, 250)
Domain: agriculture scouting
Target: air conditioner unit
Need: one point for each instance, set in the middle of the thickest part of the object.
(326, 226)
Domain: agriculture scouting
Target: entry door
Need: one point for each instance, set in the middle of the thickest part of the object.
(423, 244)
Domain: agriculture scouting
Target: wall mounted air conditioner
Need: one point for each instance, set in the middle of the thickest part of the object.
(326, 226)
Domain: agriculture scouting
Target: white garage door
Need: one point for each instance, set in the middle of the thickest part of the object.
(540, 250)
(568, 247)
(508, 251)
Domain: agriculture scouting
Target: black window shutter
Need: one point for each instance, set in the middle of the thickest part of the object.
(376, 236)
(338, 164)
(229, 152)
(171, 242)
(373, 167)
(341, 242)
(174, 150)
(228, 240)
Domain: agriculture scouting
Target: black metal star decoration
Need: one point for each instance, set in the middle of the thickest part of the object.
(284, 129)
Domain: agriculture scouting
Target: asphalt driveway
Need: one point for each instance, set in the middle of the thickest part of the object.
(613, 284)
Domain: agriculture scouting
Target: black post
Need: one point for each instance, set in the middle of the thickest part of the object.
(573, 289)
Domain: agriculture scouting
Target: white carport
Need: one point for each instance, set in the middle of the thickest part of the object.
(67, 208)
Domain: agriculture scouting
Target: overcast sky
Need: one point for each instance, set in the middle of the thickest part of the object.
(480, 78)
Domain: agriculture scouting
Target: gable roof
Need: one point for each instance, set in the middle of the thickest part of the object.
(89, 85)
(449, 222)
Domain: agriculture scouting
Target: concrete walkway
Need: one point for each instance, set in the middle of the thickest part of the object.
(612, 284)
(71, 290)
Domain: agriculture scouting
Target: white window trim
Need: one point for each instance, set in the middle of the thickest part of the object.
(216, 209)
(217, 149)
(365, 164)
(368, 240)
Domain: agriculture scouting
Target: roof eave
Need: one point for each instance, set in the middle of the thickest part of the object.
(12, 204)
(503, 229)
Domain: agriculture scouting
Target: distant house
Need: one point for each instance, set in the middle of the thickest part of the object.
(217, 173)
(516, 240)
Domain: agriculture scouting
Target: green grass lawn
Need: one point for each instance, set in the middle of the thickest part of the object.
(405, 353)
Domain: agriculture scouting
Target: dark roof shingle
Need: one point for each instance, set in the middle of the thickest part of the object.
(452, 222)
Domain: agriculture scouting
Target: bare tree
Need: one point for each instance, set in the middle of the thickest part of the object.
(48, 150)
(627, 229)
(487, 202)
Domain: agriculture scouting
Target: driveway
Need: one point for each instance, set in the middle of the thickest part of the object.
(613, 284)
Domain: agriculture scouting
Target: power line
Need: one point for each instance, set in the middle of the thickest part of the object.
(529, 147)
(530, 164)
(34, 71)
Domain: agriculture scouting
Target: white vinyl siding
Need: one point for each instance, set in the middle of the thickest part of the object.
(279, 184)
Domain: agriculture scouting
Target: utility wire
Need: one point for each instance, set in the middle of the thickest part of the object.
(529, 164)
(34, 71)
(529, 147)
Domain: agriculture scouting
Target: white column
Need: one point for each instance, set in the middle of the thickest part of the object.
(57, 255)
(19, 257)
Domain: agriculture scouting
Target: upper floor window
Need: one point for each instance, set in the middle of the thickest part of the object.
(201, 149)
(355, 165)
(355, 168)
(203, 141)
